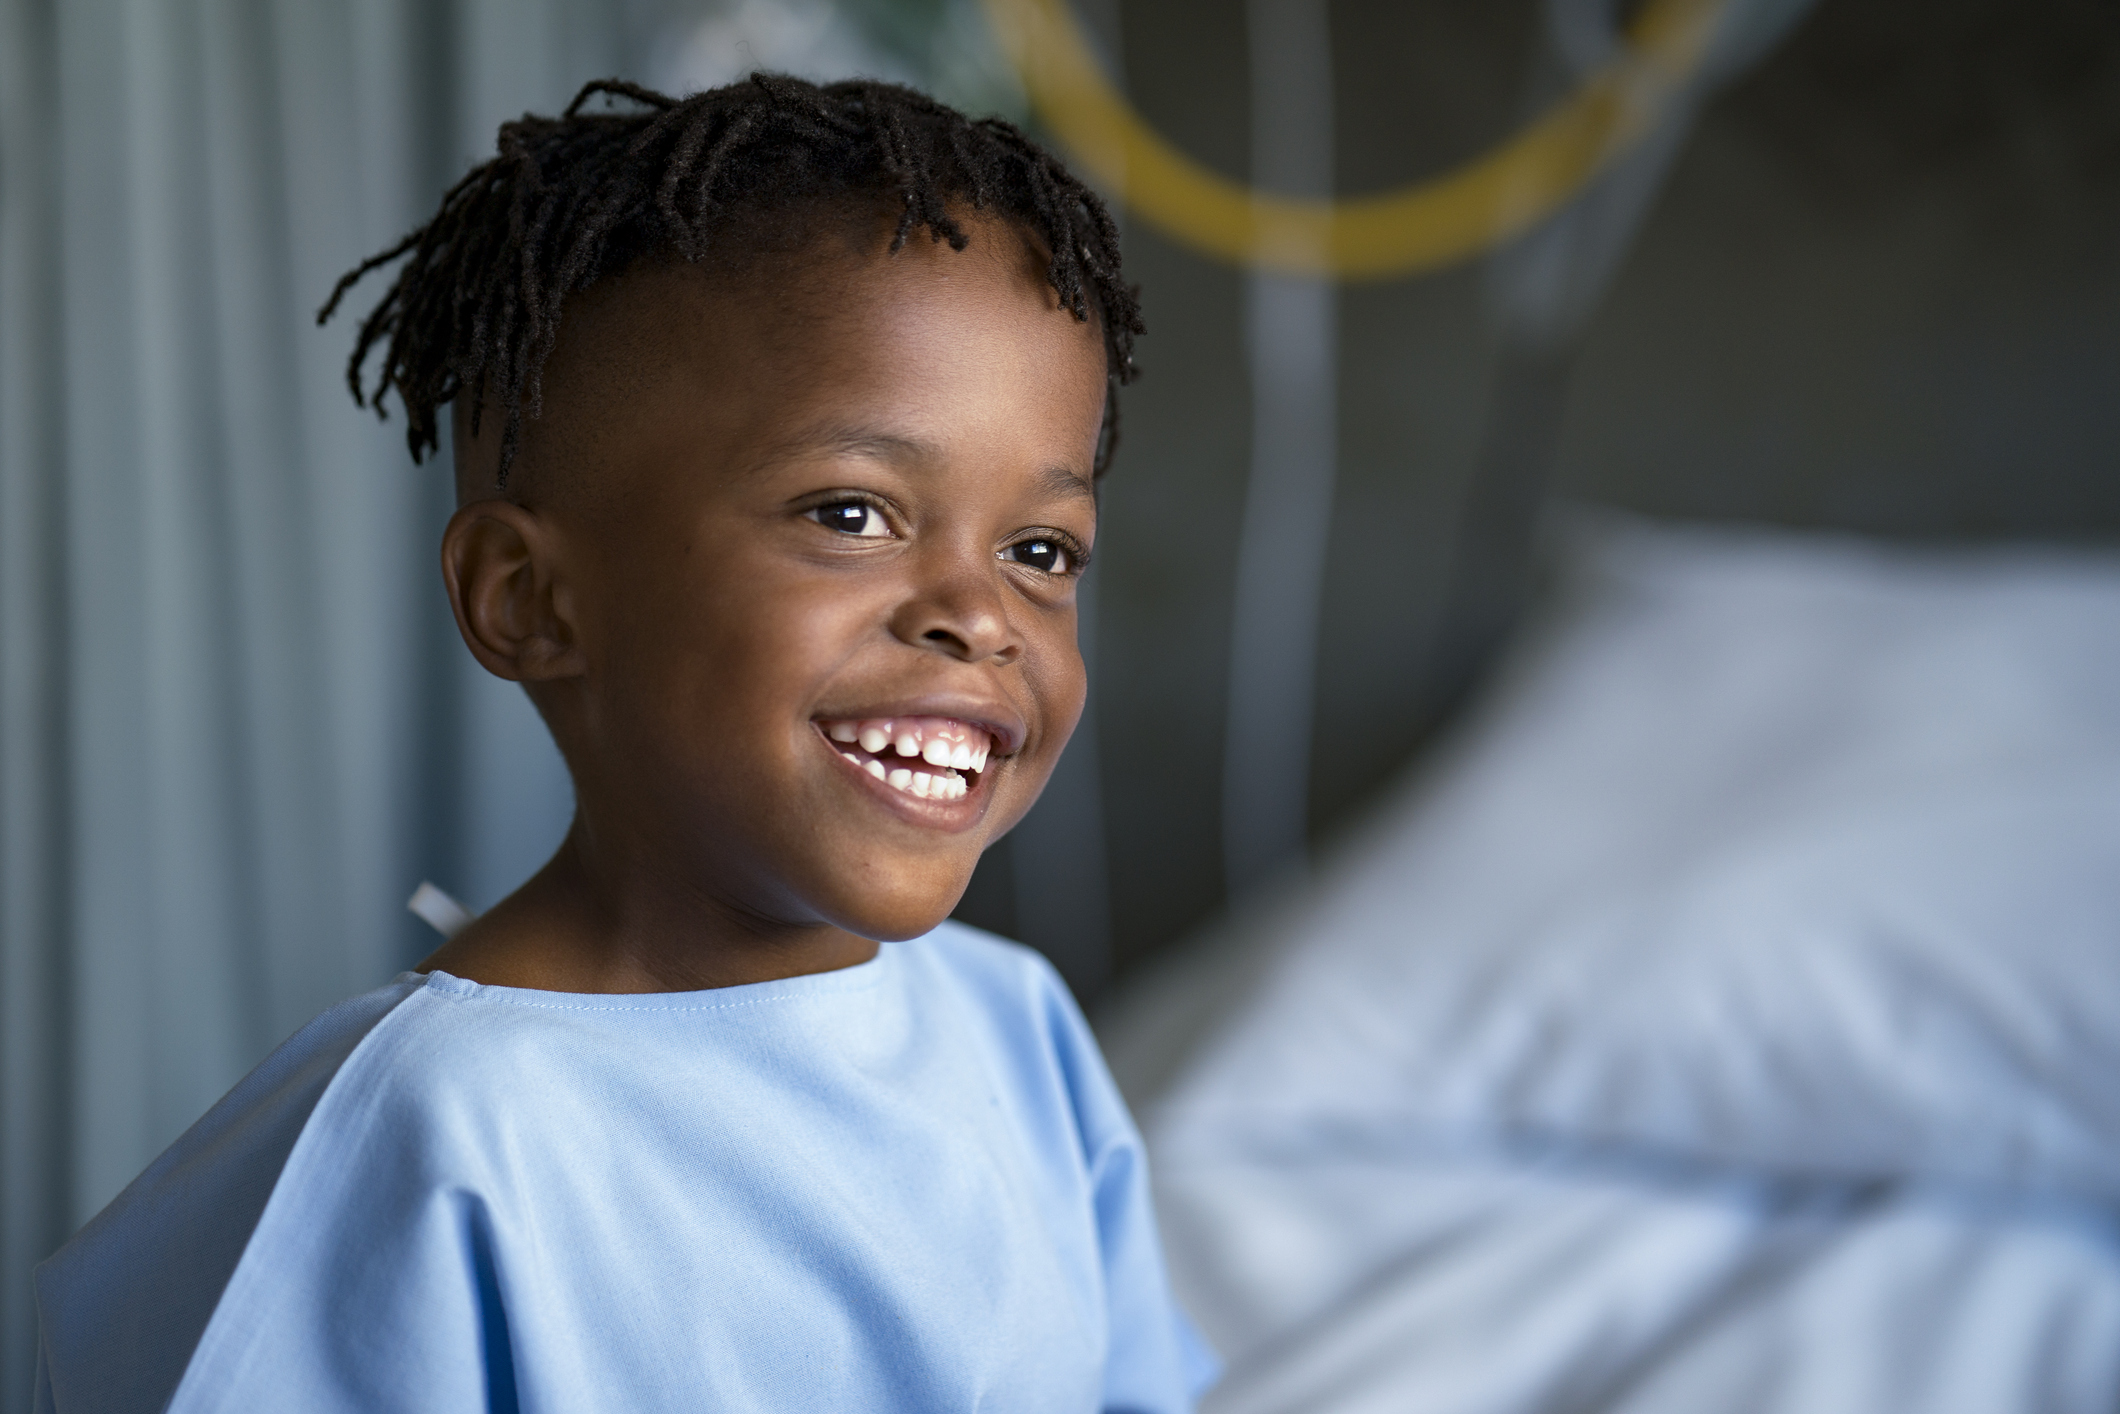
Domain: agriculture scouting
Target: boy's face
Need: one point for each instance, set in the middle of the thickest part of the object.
(805, 543)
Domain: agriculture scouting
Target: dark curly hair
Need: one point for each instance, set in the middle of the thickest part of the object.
(571, 200)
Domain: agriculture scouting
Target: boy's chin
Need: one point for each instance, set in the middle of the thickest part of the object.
(908, 912)
(899, 925)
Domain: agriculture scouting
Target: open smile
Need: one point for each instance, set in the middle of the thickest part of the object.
(929, 758)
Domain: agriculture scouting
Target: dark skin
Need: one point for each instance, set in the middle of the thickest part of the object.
(836, 484)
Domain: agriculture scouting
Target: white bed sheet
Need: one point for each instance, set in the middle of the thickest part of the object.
(1345, 1286)
(1725, 1023)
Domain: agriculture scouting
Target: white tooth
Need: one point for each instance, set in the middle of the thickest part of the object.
(875, 768)
(873, 737)
(901, 779)
(923, 784)
(936, 753)
(851, 757)
(979, 758)
(961, 758)
(908, 744)
(843, 731)
(958, 788)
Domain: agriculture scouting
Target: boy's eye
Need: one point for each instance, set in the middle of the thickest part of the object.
(1047, 555)
(852, 518)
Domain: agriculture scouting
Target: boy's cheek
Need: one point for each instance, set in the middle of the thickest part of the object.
(1061, 681)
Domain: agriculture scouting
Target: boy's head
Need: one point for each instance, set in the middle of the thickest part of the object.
(776, 508)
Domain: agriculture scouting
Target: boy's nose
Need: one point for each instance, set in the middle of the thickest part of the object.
(963, 619)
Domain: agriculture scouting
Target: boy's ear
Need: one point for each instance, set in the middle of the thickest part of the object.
(513, 608)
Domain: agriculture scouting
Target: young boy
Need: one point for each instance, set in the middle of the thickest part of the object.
(777, 415)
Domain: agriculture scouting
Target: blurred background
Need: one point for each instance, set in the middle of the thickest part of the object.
(1845, 265)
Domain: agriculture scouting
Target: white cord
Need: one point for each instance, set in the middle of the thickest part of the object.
(439, 911)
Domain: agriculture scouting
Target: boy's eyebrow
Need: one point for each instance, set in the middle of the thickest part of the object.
(1054, 480)
(1059, 481)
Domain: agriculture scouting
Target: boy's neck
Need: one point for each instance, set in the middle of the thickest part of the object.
(578, 927)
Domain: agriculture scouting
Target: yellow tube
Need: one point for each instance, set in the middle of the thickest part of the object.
(1430, 224)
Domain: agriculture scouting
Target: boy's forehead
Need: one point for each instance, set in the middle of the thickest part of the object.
(665, 328)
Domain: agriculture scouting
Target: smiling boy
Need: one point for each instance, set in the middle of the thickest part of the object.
(777, 414)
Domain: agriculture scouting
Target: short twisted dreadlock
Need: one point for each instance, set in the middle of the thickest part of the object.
(571, 200)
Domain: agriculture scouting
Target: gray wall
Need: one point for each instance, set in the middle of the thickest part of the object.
(1883, 287)
(1879, 291)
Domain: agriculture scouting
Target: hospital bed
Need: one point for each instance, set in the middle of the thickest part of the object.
(1727, 1019)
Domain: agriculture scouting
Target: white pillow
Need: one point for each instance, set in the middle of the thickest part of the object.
(1782, 851)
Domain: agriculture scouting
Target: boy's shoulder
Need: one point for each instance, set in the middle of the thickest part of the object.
(1033, 1027)
(235, 1153)
(1005, 980)
(403, 1057)
(989, 958)
(433, 1088)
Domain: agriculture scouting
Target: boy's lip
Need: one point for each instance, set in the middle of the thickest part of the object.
(1001, 723)
(950, 816)
(935, 812)
(995, 728)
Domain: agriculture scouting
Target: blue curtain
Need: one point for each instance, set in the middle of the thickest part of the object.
(235, 726)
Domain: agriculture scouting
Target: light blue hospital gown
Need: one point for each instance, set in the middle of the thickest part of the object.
(907, 1185)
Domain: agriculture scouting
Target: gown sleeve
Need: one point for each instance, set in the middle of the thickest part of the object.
(1157, 1360)
(387, 1306)
(1157, 1363)
(124, 1306)
(375, 1278)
